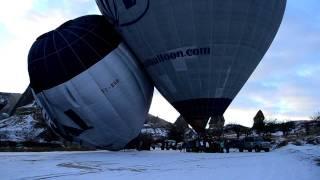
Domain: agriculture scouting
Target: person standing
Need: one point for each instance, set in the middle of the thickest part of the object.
(221, 146)
(227, 145)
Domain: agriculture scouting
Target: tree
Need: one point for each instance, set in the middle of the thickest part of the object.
(286, 127)
(258, 122)
(238, 129)
(316, 117)
(307, 127)
(271, 126)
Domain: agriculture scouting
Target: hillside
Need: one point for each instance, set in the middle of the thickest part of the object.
(7, 103)
(156, 128)
(157, 122)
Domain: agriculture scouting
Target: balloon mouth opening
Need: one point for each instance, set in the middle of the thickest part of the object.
(199, 124)
(197, 112)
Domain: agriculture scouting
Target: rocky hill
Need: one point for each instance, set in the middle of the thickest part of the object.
(157, 122)
(8, 102)
(156, 128)
(20, 129)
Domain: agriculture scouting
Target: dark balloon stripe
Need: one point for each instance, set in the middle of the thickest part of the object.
(61, 54)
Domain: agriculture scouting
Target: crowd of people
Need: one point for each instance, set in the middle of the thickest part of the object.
(198, 145)
(202, 145)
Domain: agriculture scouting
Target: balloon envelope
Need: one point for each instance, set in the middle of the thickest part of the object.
(88, 83)
(199, 53)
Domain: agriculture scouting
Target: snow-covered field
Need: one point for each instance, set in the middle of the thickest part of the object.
(289, 163)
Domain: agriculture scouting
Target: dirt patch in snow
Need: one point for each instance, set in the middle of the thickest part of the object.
(80, 165)
(98, 167)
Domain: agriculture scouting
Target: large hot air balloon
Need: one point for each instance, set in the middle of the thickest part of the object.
(199, 53)
(89, 85)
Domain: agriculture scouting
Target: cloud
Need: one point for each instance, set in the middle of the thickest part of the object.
(161, 107)
(286, 83)
(19, 30)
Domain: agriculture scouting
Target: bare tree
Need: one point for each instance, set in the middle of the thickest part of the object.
(316, 116)
(271, 126)
(286, 127)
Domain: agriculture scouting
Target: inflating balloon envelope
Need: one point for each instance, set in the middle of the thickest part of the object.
(88, 83)
(199, 53)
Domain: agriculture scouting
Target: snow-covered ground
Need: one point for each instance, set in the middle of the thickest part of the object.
(288, 163)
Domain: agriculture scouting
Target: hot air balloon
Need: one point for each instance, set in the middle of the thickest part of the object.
(199, 53)
(90, 87)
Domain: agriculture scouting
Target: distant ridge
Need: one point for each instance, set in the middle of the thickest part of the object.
(157, 122)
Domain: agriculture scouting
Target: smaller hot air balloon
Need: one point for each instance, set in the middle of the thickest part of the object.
(89, 85)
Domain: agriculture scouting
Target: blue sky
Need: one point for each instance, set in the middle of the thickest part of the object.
(285, 86)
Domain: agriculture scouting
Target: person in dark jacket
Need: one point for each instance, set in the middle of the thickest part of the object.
(227, 145)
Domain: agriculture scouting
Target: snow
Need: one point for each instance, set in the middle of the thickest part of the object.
(2, 100)
(157, 132)
(305, 152)
(291, 162)
(19, 128)
(278, 134)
